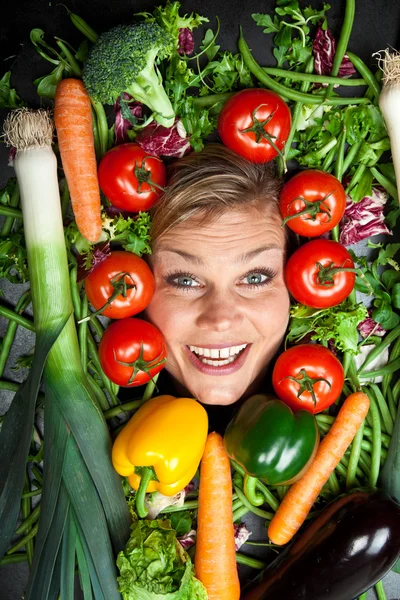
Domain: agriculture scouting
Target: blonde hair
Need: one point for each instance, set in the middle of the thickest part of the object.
(210, 182)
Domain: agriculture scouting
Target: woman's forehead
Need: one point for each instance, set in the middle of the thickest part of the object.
(236, 232)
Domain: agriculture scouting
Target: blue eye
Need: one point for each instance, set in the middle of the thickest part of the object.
(182, 280)
(256, 278)
(186, 281)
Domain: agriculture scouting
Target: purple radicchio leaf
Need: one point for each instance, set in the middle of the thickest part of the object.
(242, 534)
(114, 211)
(185, 41)
(365, 218)
(126, 107)
(370, 327)
(187, 540)
(11, 156)
(324, 48)
(164, 141)
(98, 255)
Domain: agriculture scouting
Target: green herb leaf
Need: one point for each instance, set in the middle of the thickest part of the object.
(8, 95)
(182, 522)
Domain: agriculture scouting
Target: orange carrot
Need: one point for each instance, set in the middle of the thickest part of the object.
(73, 121)
(215, 558)
(298, 501)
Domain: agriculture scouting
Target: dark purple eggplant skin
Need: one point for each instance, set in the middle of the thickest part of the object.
(350, 546)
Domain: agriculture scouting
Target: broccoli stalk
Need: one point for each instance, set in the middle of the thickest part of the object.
(124, 60)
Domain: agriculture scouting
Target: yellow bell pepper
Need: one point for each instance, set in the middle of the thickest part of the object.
(167, 434)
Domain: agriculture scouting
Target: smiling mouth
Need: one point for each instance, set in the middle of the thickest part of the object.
(218, 357)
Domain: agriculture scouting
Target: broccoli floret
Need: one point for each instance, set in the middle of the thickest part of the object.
(124, 60)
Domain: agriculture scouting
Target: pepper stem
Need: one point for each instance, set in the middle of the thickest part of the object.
(146, 477)
(249, 488)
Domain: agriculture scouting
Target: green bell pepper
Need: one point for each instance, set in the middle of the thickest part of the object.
(270, 441)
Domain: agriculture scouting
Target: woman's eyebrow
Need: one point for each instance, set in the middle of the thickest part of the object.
(242, 258)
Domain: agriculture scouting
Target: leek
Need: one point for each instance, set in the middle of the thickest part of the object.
(81, 491)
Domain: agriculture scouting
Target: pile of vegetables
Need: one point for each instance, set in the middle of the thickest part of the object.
(166, 504)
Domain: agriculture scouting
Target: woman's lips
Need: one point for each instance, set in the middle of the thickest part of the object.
(225, 369)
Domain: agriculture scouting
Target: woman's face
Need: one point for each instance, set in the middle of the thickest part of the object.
(221, 302)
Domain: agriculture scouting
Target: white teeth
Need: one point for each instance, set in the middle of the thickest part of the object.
(228, 354)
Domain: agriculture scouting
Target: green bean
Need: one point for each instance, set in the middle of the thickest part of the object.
(296, 111)
(116, 411)
(149, 389)
(14, 202)
(363, 596)
(269, 497)
(92, 346)
(239, 513)
(29, 521)
(76, 301)
(343, 41)
(207, 101)
(375, 352)
(334, 484)
(11, 315)
(23, 542)
(37, 473)
(9, 336)
(367, 447)
(383, 407)
(249, 561)
(350, 156)
(358, 174)
(391, 404)
(281, 89)
(365, 73)
(9, 211)
(329, 158)
(25, 512)
(10, 386)
(376, 442)
(102, 126)
(387, 379)
(189, 505)
(251, 508)
(83, 27)
(391, 367)
(310, 77)
(396, 392)
(101, 398)
(380, 590)
(338, 171)
(96, 137)
(76, 70)
(36, 492)
(385, 182)
(82, 332)
(354, 457)
(13, 559)
(236, 504)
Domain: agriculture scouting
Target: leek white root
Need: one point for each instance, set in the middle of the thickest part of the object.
(389, 102)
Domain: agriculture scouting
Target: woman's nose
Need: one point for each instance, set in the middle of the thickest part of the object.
(219, 312)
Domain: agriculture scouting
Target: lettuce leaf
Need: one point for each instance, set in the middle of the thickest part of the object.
(154, 566)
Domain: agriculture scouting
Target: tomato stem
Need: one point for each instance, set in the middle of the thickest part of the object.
(120, 287)
(144, 176)
(260, 133)
(306, 383)
(139, 364)
(313, 209)
(325, 275)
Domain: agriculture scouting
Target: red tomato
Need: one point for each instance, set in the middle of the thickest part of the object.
(132, 351)
(309, 281)
(99, 286)
(262, 110)
(327, 198)
(295, 374)
(130, 178)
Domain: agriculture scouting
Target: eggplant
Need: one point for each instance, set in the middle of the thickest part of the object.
(350, 546)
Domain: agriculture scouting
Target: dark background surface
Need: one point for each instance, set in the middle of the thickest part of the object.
(377, 26)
